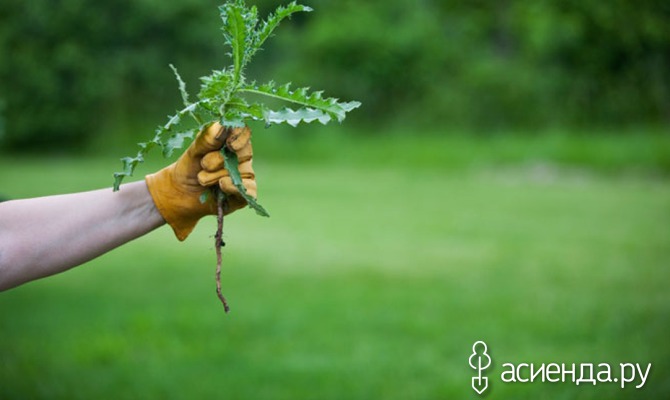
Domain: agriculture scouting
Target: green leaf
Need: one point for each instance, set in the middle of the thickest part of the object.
(250, 16)
(182, 86)
(235, 32)
(268, 26)
(130, 163)
(311, 102)
(232, 119)
(237, 113)
(178, 141)
(216, 86)
(204, 196)
(231, 163)
(294, 118)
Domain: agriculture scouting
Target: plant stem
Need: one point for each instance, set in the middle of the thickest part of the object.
(218, 244)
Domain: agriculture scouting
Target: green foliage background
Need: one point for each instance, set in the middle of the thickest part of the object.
(72, 69)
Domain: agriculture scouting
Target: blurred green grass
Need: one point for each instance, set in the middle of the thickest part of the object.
(627, 150)
(384, 260)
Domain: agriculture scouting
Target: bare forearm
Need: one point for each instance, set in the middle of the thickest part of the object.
(47, 235)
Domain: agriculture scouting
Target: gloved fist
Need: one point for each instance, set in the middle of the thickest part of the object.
(177, 189)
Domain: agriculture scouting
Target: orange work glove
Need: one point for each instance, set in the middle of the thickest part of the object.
(177, 189)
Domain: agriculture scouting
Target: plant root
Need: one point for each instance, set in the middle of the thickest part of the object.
(218, 244)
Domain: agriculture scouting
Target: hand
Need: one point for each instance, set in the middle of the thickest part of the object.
(177, 189)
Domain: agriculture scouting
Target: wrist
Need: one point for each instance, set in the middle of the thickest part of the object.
(139, 204)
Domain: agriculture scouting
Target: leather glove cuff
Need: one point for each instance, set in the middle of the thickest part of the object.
(181, 210)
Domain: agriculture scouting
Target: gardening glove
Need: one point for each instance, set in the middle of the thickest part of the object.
(177, 189)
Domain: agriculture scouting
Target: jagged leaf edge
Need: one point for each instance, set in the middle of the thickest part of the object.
(273, 20)
(130, 163)
(302, 97)
(235, 32)
(182, 86)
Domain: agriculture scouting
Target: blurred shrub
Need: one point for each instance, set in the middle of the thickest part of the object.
(488, 64)
(69, 66)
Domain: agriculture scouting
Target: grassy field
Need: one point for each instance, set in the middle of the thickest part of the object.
(372, 280)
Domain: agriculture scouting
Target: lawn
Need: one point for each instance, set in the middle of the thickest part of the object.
(371, 280)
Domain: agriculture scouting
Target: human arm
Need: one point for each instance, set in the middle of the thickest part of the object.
(47, 235)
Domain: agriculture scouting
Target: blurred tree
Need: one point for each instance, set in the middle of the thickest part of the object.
(487, 64)
(67, 66)
(70, 66)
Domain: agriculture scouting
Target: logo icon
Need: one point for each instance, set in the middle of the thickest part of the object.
(479, 361)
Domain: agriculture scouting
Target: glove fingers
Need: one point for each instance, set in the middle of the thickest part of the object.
(213, 161)
(245, 153)
(227, 187)
(207, 178)
(238, 138)
(207, 140)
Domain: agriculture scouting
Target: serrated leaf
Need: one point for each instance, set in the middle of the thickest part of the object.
(182, 86)
(231, 163)
(312, 102)
(243, 111)
(233, 120)
(268, 26)
(294, 118)
(178, 142)
(216, 86)
(235, 32)
(130, 163)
